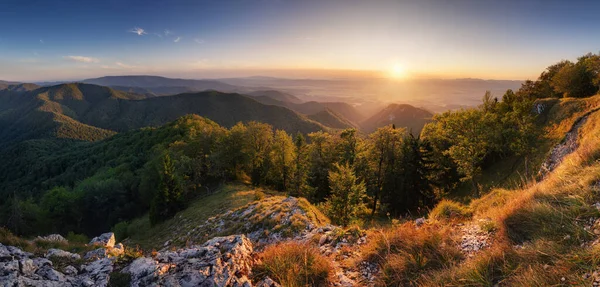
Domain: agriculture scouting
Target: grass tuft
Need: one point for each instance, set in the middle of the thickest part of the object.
(293, 264)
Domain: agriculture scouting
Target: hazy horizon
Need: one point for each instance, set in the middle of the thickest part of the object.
(508, 40)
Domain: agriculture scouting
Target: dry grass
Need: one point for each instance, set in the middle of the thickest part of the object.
(294, 264)
(448, 209)
(405, 254)
(39, 247)
(539, 237)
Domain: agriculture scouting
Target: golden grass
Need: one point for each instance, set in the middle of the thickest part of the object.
(448, 209)
(293, 264)
(539, 237)
(405, 253)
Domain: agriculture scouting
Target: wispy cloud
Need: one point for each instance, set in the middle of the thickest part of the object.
(177, 40)
(124, 66)
(138, 30)
(168, 32)
(82, 59)
(199, 41)
(42, 41)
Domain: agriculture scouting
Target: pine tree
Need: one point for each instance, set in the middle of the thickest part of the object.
(300, 185)
(347, 194)
(168, 200)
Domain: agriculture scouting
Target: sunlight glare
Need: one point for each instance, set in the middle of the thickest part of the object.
(398, 71)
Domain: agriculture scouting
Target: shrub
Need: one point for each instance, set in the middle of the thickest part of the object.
(448, 209)
(120, 230)
(118, 279)
(77, 238)
(294, 264)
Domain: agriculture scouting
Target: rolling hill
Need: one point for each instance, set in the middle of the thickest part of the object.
(329, 118)
(401, 115)
(276, 95)
(161, 85)
(90, 112)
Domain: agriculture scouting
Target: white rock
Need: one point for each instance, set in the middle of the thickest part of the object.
(104, 240)
(62, 254)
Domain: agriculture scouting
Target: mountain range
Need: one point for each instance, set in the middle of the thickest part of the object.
(98, 108)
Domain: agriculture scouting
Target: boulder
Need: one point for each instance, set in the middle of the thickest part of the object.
(62, 254)
(221, 261)
(52, 238)
(267, 282)
(95, 254)
(104, 240)
(118, 250)
(19, 268)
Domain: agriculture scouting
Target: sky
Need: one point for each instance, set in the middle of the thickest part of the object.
(44, 40)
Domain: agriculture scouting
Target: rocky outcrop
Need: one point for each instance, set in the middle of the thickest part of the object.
(19, 268)
(221, 261)
(52, 238)
(104, 240)
(62, 254)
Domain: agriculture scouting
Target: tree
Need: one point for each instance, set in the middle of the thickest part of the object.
(348, 146)
(168, 200)
(574, 80)
(411, 185)
(300, 185)
(259, 138)
(282, 157)
(346, 194)
(382, 152)
(321, 159)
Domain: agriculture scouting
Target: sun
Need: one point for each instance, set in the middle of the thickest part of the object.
(398, 71)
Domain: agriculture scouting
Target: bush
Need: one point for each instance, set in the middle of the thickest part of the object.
(77, 238)
(118, 279)
(121, 230)
(448, 209)
(294, 264)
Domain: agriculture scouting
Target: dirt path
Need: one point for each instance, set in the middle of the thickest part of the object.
(567, 146)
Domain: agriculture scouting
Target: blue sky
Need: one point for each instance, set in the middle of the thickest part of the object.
(66, 39)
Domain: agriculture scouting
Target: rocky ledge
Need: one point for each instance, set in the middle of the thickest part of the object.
(221, 261)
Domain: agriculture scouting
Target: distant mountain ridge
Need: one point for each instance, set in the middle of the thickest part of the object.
(91, 112)
(400, 115)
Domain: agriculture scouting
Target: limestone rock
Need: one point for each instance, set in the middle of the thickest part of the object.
(221, 261)
(104, 240)
(62, 254)
(52, 238)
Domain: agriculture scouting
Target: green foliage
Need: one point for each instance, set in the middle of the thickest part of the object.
(118, 279)
(347, 195)
(168, 200)
(566, 79)
(120, 229)
(447, 209)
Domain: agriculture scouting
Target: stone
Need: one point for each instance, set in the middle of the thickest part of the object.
(324, 238)
(70, 271)
(104, 240)
(62, 254)
(221, 261)
(420, 221)
(267, 282)
(27, 267)
(47, 272)
(99, 253)
(52, 238)
(118, 250)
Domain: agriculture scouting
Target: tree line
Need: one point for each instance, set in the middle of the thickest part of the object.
(389, 172)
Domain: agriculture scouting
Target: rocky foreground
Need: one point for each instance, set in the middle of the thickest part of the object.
(222, 261)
